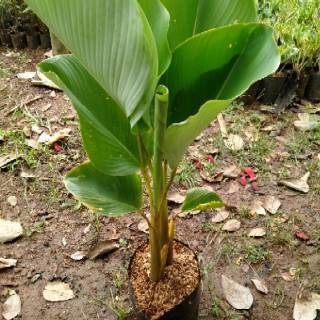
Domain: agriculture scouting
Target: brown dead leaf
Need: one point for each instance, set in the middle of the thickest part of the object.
(272, 204)
(57, 291)
(306, 308)
(234, 142)
(12, 307)
(260, 285)
(5, 160)
(77, 256)
(221, 215)
(238, 296)
(143, 226)
(102, 248)
(232, 225)
(7, 263)
(257, 208)
(297, 184)
(222, 125)
(231, 171)
(286, 276)
(175, 197)
(257, 232)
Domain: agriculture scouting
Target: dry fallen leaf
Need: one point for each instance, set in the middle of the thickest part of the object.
(176, 197)
(12, 307)
(221, 215)
(9, 230)
(234, 142)
(222, 124)
(297, 184)
(143, 226)
(260, 285)
(5, 160)
(26, 75)
(232, 225)
(7, 263)
(77, 256)
(237, 295)
(307, 122)
(102, 248)
(257, 208)
(306, 309)
(51, 139)
(257, 232)
(272, 204)
(57, 291)
(231, 172)
(12, 200)
(286, 276)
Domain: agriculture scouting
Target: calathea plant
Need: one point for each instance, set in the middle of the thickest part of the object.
(146, 77)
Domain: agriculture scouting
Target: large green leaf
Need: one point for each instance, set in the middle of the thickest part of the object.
(105, 129)
(114, 42)
(200, 72)
(106, 194)
(189, 17)
(159, 20)
(201, 199)
(180, 135)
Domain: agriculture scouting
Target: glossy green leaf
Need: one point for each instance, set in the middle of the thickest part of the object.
(200, 73)
(180, 135)
(189, 17)
(201, 199)
(105, 129)
(114, 42)
(105, 194)
(159, 20)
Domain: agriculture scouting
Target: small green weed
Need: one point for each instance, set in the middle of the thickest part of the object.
(187, 175)
(215, 307)
(256, 254)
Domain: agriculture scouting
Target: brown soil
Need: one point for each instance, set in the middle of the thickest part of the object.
(179, 281)
(56, 226)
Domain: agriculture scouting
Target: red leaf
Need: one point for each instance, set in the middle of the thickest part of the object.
(57, 148)
(210, 158)
(301, 235)
(249, 171)
(243, 180)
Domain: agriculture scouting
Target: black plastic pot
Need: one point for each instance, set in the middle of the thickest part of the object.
(271, 88)
(19, 40)
(5, 38)
(313, 87)
(251, 94)
(188, 309)
(45, 41)
(33, 40)
(303, 81)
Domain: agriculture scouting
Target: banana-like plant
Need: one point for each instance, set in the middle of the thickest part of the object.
(146, 77)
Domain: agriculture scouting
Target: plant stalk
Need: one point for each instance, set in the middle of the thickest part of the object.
(159, 237)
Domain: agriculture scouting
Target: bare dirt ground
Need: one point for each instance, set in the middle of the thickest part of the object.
(55, 226)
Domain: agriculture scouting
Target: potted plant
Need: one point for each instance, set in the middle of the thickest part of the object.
(296, 25)
(6, 21)
(146, 77)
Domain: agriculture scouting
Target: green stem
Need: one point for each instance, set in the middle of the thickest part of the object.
(160, 219)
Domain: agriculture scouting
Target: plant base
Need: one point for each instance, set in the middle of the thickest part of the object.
(176, 296)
